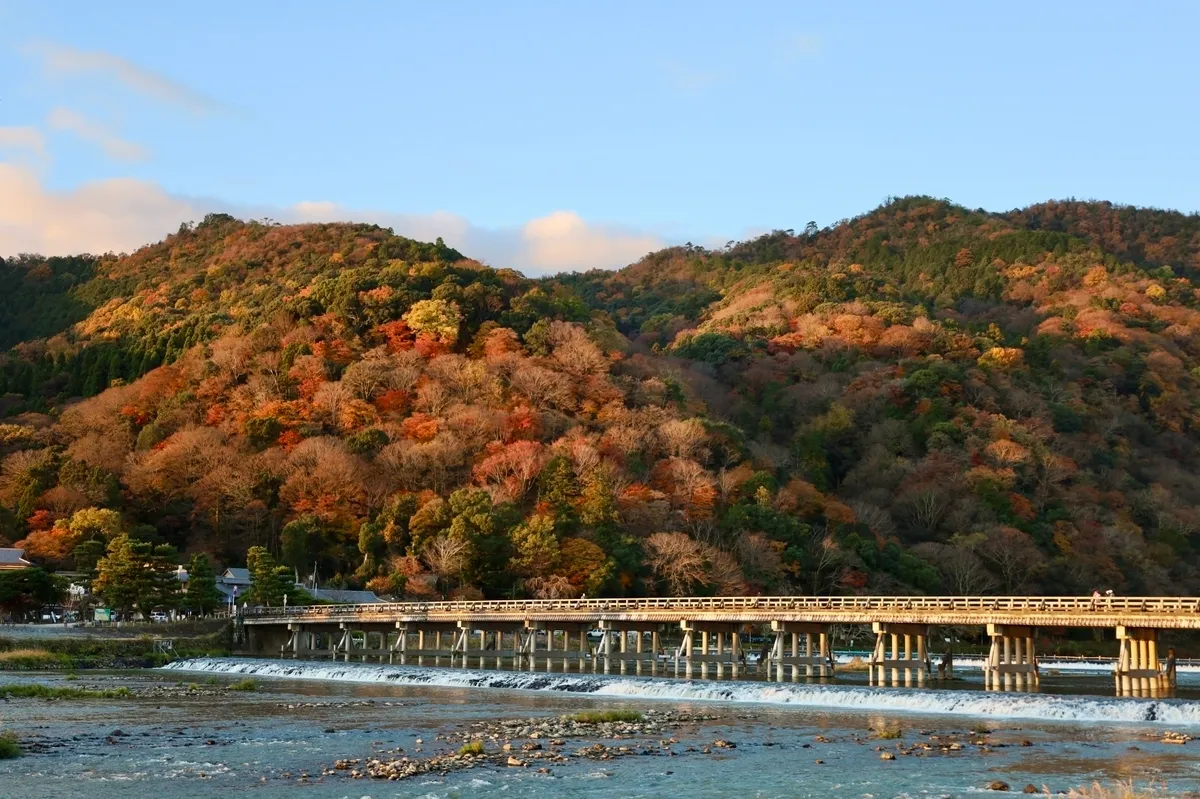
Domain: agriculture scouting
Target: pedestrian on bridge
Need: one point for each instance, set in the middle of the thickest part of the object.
(1096, 599)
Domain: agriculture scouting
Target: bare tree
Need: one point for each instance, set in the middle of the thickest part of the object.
(677, 559)
(1014, 556)
(446, 557)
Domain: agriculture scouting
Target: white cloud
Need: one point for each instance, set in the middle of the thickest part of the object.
(122, 214)
(96, 133)
(564, 241)
(110, 215)
(60, 59)
(23, 138)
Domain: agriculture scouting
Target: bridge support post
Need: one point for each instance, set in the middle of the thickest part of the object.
(879, 662)
(1010, 658)
(817, 659)
(1138, 672)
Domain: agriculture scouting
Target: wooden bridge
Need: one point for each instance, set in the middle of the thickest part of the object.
(710, 629)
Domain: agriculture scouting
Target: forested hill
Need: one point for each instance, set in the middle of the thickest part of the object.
(922, 399)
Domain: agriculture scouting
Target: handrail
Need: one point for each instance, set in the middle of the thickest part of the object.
(874, 604)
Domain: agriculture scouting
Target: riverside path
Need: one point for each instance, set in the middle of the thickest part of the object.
(710, 633)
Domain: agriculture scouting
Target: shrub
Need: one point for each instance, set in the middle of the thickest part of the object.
(10, 746)
(244, 685)
(472, 748)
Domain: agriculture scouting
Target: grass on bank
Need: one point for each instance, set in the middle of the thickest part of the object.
(35, 691)
(91, 652)
(10, 746)
(244, 685)
(889, 734)
(605, 716)
(472, 748)
(21, 659)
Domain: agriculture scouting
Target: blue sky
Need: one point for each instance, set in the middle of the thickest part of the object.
(565, 135)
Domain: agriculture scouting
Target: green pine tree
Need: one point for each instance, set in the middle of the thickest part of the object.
(202, 594)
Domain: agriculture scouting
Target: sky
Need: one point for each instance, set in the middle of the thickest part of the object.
(559, 136)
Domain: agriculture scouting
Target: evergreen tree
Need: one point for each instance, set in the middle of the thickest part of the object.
(136, 576)
(268, 581)
(559, 492)
(202, 594)
(299, 544)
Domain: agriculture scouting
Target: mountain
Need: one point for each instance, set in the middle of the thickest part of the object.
(925, 398)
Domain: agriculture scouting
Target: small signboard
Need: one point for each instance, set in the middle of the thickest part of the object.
(101, 614)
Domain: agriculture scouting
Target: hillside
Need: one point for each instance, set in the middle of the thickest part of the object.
(925, 398)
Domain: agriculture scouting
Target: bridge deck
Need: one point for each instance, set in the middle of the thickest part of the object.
(1144, 612)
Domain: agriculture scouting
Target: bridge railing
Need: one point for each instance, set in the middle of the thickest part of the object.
(757, 604)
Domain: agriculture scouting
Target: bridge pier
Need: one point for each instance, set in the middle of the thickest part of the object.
(817, 657)
(1137, 671)
(639, 655)
(1011, 658)
(713, 649)
(910, 661)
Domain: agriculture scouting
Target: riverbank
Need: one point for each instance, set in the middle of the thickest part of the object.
(72, 649)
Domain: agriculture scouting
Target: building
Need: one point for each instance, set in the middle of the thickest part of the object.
(12, 558)
(339, 597)
(234, 583)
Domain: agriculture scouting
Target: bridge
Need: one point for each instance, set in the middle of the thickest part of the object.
(709, 633)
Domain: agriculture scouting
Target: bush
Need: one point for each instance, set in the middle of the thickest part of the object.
(472, 748)
(10, 746)
(605, 716)
(244, 685)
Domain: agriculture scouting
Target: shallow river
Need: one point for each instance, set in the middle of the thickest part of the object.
(304, 716)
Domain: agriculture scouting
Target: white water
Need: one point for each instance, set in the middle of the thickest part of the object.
(967, 703)
(975, 662)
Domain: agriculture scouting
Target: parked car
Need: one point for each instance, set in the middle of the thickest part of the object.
(158, 616)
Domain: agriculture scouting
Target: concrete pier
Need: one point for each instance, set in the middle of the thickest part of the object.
(1011, 662)
(912, 661)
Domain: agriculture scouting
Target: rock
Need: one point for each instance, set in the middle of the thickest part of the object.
(512, 761)
(330, 730)
(819, 762)
(886, 756)
(721, 743)
(118, 734)
(998, 785)
(1026, 742)
(1030, 788)
(531, 746)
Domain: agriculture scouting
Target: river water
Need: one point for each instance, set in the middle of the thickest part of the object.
(305, 715)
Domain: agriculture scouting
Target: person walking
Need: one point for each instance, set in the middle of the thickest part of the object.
(1096, 599)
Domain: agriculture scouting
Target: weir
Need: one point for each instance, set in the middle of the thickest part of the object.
(543, 634)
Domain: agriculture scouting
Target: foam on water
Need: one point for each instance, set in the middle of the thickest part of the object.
(848, 697)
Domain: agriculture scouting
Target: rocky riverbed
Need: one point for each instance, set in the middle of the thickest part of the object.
(541, 743)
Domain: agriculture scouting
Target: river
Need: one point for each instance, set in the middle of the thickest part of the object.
(187, 736)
